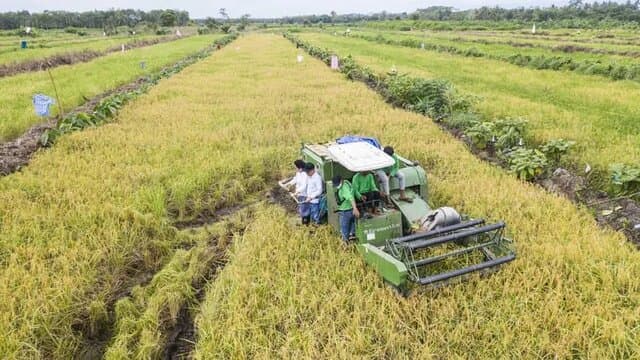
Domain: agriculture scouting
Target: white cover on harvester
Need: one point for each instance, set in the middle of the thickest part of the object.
(360, 156)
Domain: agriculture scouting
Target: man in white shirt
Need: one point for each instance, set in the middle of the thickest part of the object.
(299, 181)
(314, 192)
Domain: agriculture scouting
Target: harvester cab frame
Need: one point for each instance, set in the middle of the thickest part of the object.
(409, 242)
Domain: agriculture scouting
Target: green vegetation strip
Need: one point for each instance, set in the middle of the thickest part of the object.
(80, 82)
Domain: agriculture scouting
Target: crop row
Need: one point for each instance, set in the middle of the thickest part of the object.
(82, 81)
(565, 46)
(10, 55)
(597, 114)
(70, 58)
(289, 292)
(613, 70)
(108, 108)
(93, 216)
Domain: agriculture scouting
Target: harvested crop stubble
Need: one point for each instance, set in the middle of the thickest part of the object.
(291, 293)
(600, 115)
(88, 219)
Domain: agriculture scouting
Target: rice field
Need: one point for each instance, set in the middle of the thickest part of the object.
(13, 53)
(597, 113)
(119, 234)
(78, 82)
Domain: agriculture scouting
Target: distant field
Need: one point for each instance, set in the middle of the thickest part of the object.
(13, 53)
(505, 47)
(600, 114)
(85, 80)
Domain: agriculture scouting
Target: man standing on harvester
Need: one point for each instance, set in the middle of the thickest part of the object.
(347, 209)
(366, 191)
(385, 174)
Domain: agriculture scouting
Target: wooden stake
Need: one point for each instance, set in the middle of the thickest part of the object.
(55, 89)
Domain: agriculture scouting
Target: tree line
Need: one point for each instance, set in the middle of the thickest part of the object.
(105, 19)
(576, 12)
(576, 9)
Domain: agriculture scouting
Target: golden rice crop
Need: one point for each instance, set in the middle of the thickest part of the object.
(293, 293)
(86, 218)
(75, 83)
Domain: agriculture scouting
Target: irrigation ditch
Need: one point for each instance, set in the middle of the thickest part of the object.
(17, 153)
(74, 57)
(619, 213)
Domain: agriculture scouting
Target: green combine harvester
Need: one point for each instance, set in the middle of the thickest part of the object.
(408, 242)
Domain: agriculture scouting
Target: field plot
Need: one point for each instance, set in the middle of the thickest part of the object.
(287, 292)
(597, 113)
(503, 49)
(13, 54)
(94, 216)
(78, 82)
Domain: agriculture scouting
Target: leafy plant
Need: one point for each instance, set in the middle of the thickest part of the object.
(625, 179)
(462, 120)
(554, 149)
(527, 164)
(481, 134)
(430, 97)
(509, 132)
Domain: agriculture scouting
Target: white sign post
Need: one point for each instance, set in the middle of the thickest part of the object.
(335, 65)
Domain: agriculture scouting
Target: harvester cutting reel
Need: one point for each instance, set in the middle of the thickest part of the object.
(443, 236)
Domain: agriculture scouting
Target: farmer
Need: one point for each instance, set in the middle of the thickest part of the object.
(365, 191)
(313, 192)
(299, 184)
(392, 171)
(347, 209)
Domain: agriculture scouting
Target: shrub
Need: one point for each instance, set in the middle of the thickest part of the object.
(527, 164)
(431, 97)
(481, 134)
(462, 120)
(509, 132)
(554, 149)
(625, 179)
